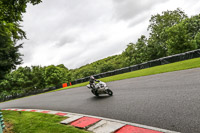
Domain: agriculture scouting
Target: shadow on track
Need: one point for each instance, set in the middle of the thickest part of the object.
(103, 97)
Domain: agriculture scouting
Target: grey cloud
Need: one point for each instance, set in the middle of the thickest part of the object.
(96, 41)
(139, 19)
(79, 12)
(128, 9)
(51, 19)
(65, 40)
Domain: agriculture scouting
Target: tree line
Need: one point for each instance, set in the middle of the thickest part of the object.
(170, 32)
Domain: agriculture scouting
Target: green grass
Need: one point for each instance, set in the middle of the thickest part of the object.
(33, 122)
(182, 65)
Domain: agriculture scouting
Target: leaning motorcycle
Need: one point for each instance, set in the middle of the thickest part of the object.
(100, 88)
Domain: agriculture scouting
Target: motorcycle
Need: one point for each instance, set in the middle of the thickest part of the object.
(100, 88)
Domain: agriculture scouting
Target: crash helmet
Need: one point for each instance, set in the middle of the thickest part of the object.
(92, 77)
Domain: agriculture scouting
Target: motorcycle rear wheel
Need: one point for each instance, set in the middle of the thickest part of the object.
(95, 93)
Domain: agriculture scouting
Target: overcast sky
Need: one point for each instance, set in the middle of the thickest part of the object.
(78, 32)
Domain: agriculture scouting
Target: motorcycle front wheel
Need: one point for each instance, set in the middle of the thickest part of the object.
(110, 93)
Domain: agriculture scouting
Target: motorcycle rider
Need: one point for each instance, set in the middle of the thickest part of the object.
(92, 82)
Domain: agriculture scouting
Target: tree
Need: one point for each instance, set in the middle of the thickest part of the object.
(11, 10)
(193, 28)
(158, 24)
(107, 66)
(119, 62)
(38, 77)
(22, 79)
(54, 76)
(62, 66)
(184, 36)
(179, 40)
(136, 53)
(18, 80)
(193, 25)
(11, 32)
(140, 55)
(9, 55)
(196, 40)
(5, 85)
(128, 54)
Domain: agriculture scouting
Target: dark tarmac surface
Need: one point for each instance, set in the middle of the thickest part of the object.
(170, 101)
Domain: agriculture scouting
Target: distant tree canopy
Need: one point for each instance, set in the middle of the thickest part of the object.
(185, 34)
(10, 32)
(171, 32)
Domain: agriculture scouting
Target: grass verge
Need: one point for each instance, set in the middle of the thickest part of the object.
(182, 65)
(33, 122)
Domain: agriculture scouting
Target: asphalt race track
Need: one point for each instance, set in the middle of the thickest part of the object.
(169, 101)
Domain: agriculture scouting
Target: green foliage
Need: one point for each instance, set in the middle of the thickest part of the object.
(22, 80)
(158, 24)
(9, 55)
(38, 77)
(129, 53)
(179, 40)
(10, 32)
(136, 53)
(192, 25)
(11, 10)
(28, 79)
(107, 66)
(196, 40)
(184, 36)
(54, 76)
